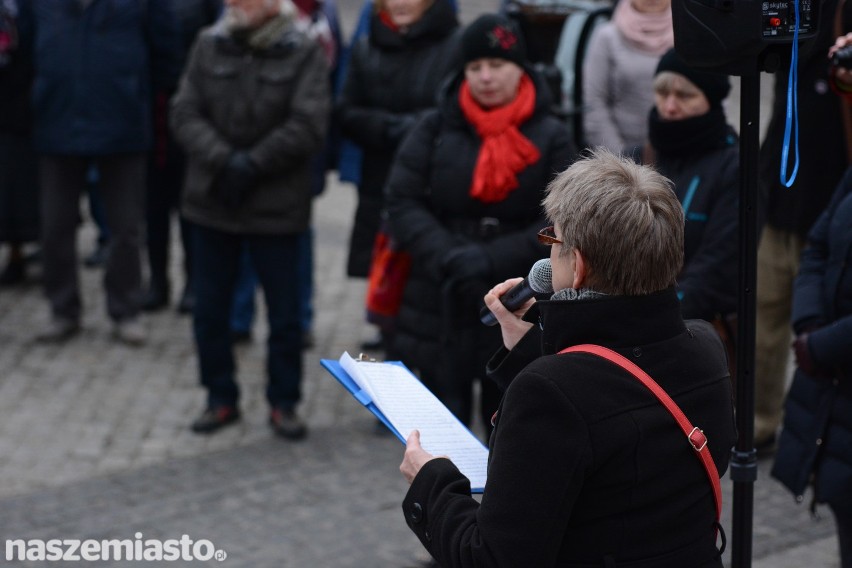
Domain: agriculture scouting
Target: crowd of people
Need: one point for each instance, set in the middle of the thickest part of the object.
(228, 114)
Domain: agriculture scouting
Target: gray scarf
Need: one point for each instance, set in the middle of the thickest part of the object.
(574, 294)
(269, 33)
(265, 36)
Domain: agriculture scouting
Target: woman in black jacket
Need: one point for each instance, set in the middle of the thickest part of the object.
(815, 447)
(694, 146)
(464, 198)
(393, 76)
(586, 467)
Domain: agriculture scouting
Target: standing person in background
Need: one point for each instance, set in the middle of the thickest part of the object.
(618, 71)
(97, 66)
(319, 20)
(791, 211)
(693, 145)
(19, 199)
(393, 76)
(166, 166)
(250, 112)
(464, 198)
(814, 448)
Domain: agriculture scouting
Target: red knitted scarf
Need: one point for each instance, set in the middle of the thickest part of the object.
(504, 152)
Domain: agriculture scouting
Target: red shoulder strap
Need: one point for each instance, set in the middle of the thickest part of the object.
(695, 436)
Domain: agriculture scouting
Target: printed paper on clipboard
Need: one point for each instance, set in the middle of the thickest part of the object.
(391, 392)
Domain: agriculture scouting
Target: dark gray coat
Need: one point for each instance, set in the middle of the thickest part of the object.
(274, 104)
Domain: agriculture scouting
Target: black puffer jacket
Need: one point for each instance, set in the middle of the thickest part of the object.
(707, 185)
(392, 79)
(818, 412)
(431, 212)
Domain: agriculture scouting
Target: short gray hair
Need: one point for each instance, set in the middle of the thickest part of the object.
(624, 218)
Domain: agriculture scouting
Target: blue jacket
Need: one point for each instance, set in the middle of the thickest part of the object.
(818, 412)
(96, 67)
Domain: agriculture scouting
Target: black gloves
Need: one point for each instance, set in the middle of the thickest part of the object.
(236, 180)
(805, 360)
(466, 262)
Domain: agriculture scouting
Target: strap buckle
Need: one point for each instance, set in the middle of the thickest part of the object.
(697, 439)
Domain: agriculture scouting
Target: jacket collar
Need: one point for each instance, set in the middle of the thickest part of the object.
(438, 21)
(612, 321)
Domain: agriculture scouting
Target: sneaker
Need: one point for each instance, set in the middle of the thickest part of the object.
(58, 330)
(130, 331)
(213, 419)
(287, 424)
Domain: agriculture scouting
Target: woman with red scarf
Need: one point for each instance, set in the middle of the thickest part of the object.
(464, 198)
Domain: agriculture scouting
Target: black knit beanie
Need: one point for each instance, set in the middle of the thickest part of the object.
(493, 36)
(715, 86)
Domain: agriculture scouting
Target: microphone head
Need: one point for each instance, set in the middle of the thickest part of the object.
(541, 277)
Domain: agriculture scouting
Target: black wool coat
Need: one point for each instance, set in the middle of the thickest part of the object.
(431, 212)
(586, 466)
(392, 79)
(817, 433)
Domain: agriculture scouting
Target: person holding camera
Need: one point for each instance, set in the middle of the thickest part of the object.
(790, 212)
(813, 449)
(587, 467)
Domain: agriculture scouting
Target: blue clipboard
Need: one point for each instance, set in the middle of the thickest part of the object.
(361, 396)
(364, 398)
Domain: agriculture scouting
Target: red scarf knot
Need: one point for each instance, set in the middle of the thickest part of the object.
(504, 152)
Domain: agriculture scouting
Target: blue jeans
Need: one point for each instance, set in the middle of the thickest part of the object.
(216, 260)
(242, 314)
(242, 311)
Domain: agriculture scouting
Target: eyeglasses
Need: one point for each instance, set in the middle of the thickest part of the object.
(547, 236)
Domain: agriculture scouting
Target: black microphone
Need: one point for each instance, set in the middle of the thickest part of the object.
(539, 281)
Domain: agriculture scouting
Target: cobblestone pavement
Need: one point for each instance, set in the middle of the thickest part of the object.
(94, 441)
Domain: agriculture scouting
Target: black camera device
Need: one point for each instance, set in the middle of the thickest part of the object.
(727, 35)
(842, 57)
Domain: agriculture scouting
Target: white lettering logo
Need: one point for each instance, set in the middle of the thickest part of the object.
(91, 550)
